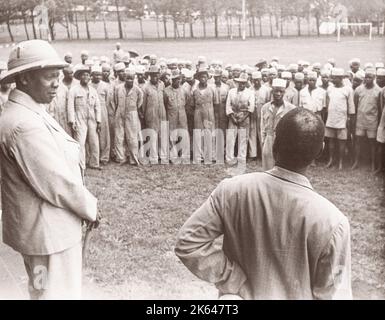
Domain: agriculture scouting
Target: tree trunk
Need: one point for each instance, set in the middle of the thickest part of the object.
(281, 24)
(165, 26)
(175, 26)
(119, 20)
(260, 26)
(253, 22)
(86, 21)
(9, 28)
(33, 24)
(105, 26)
(216, 25)
(191, 28)
(299, 25)
(240, 26)
(308, 25)
(250, 28)
(25, 25)
(67, 25)
(271, 26)
(204, 26)
(317, 21)
(51, 25)
(157, 26)
(141, 28)
(184, 30)
(277, 25)
(77, 26)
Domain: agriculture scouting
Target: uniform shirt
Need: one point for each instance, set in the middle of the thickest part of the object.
(270, 117)
(127, 100)
(368, 106)
(314, 100)
(3, 100)
(292, 95)
(153, 105)
(240, 101)
(340, 105)
(69, 86)
(175, 102)
(281, 240)
(83, 104)
(232, 83)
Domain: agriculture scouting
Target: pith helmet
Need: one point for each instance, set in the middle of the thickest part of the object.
(31, 55)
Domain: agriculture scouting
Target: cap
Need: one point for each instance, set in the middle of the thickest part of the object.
(286, 75)
(359, 75)
(354, 61)
(370, 71)
(119, 66)
(312, 75)
(381, 72)
(130, 71)
(153, 69)
(175, 74)
(96, 68)
(84, 52)
(31, 55)
(293, 67)
(80, 70)
(256, 75)
(243, 77)
(279, 83)
(339, 72)
(273, 71)
(299, 76)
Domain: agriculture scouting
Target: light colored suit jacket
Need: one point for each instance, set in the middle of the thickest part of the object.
(43, 196)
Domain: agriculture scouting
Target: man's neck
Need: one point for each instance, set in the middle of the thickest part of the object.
(301, 171)
(369, 86)
(203, 85)
(278, 103)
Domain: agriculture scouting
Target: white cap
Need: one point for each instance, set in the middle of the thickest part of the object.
(379, 65)
(89, 62)
(68, 54)
(338, 72)
(325, 72)
(359, 75)
(225, 73)
(381, 72)
(140, 69)
(275, 58)
(273, 71)
(84, 52)
(299, 76)
(286, 75)
(256, 75)
(130, 72)
(96, 68)
(119, 66)
(371, 71)
(312, 75)
(279, 83)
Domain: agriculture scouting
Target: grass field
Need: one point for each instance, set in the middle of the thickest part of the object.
(131, 255)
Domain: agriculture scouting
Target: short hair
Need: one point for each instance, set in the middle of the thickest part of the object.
(299, 138)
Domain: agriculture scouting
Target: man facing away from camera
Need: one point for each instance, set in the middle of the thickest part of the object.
(281, 240)
(43, 196)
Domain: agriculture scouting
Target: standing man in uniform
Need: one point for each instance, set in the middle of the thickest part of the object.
(340, 116)
(367, 100)
(281, 240)
(175, 102)
(312, 97)
(103, 90)
(261, 96)
(154, 114)
(271, 113)
(84, 117)
(68, 77)
(128, 99)
(204, 119)
(221, 91)
(239, 107)
(44, 199)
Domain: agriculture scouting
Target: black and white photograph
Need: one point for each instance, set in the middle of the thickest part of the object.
(179, 150)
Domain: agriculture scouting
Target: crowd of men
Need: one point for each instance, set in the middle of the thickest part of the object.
(104, 104)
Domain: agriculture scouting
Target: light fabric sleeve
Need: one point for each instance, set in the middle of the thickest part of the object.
(351, 107)
(229, 101)
(71, 105)
(98, 109)
(333, 273)
(197, 249)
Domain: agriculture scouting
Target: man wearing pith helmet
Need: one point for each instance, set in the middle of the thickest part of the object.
(43, 197)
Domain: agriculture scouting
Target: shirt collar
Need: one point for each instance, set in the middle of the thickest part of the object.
(290, 176)
(20, 97)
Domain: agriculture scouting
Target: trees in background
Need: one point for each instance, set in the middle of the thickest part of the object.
(185, 15)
